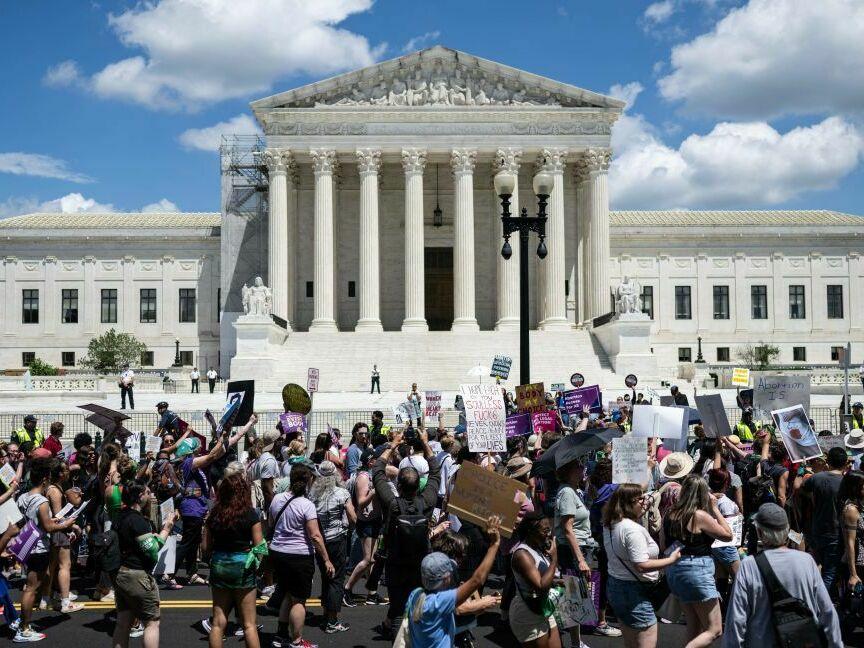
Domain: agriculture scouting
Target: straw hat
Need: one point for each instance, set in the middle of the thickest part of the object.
(676, 464)
(518, 466)
(855, 439)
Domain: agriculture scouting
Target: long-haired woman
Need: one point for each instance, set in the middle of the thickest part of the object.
(850, 497)
(61, 541)
(234, 539)
(692, 525)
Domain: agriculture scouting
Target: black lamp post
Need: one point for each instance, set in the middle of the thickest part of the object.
(505, 183)
(699, 358)
(177, 352)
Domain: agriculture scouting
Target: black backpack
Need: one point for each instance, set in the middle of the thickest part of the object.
(408, 541)
(794, 623)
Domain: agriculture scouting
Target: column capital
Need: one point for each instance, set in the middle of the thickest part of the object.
(413, 160)
(278, 161)
(598, 159)
(580, 171)
(462, 160)
(323, 161)
(552, 160)
(368, 161)
(507, 159)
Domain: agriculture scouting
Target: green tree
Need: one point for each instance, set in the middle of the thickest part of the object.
(111, 350)
(41, 368)
(758, 356)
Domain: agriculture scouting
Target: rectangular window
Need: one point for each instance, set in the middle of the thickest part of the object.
(147, 359)
(148, 306)
(797, 303)
(70, 305)
(310, 292)
(109, 305)
(67, 358)
(352, 289)
(837, 353)
(187, 305)
(722, 354)
(27, 357)
(759, 302)
(721, 302)
(682, 303)
(648, 301)
(30, 307)
(799, 354)
(685, 354)
(835, 302)
(186, 358)
(566, 286)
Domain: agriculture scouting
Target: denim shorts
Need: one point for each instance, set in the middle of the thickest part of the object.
(691, 579)
(725, 555)
(630, 601)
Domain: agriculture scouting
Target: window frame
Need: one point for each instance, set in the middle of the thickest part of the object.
(647, 297)
(797, 297)
(69, 304)
(63, 362)
(795, 350)
(149, 301)
(721, 292)
(27, 308)
(758, 297)
(187, 305)
(689, 354)
(833, 304)
(106, 299)
(727, 353)
(685, 292)
(24, 361)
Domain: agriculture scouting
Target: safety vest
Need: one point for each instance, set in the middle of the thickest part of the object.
(626, 426)
(22, 436)
(855, 424)
(743, 431)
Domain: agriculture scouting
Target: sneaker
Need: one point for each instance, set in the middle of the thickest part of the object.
(582, 644)
(267, 592)
(136, 631)
(240, 633)
(279, 642)
(171, 584)
(339, 626)
(27, 636)
(105, 598)
(207, 625)
(15, 624)
(302, 643)
(607, 630)
(348, 599)
(70, 607)
(374, 598)
(43, 604)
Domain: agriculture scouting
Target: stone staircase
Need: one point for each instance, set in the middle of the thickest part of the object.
(435, 360)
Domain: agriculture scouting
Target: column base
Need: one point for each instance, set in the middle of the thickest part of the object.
(415, 325)
(555, 324)
(507, 324)
(323, 326)
(368, 326)
(465, 324)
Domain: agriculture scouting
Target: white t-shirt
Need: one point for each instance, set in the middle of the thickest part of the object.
(630, 542)
(194, 375)
(212, 374)
(127, 377)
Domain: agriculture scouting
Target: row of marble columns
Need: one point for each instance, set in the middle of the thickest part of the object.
(592, 213)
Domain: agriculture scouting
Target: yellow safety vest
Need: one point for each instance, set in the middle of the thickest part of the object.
(22, 436)
(855, 424)
(743, 431)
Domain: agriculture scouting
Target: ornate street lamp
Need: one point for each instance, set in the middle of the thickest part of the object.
(437, 214)
(177, 352)
(505, 183)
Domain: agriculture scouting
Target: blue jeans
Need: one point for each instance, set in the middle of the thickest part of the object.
(827, 554)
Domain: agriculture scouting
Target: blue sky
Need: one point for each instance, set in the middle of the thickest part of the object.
(733, 104)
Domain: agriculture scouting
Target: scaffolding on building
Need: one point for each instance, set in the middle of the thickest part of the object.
(244, 173)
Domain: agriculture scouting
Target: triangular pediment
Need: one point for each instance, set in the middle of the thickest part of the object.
(437, 77)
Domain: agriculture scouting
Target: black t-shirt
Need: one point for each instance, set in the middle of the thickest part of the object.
(130, 526)
(823, 488)
(234, 538)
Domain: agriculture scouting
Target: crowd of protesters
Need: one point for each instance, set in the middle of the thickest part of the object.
(370, 516)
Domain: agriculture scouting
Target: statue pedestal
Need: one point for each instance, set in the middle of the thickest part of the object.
(627, 341)
(256, 335)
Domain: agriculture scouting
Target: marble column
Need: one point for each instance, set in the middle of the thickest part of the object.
(52, 300)
(552, 160)
(279, 234)
(464, 316)
(507, 159)
(323, 164)
(580, 178)
(369, 165)
(597, 196)
(413, 162)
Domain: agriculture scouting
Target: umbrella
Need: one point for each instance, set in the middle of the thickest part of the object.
(572, 447)
(108, 420)
(479, 371)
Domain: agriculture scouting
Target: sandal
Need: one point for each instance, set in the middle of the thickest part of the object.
(171, 584)
(195, 579)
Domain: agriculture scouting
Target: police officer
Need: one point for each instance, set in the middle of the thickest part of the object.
(126, 385)
(746, 429)
(857, 422)
(29, 436)
(168, 420)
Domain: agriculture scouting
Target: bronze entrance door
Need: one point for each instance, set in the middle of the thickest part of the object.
(439, 288)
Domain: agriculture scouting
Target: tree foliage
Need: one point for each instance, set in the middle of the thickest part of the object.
(758, 356)
(111, 350)
(41, 368)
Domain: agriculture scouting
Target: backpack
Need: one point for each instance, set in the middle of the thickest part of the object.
(408, 541)
(793, 620)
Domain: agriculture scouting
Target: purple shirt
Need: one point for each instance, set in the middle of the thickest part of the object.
(290, 535)
(195, 491)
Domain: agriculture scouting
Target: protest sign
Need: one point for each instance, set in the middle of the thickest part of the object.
(133, 446)
(403, 412)
(165, 561)
(531, 398)
(485, 416)
(543, 422)
(152, 444)
(658, 421)
(501, 367)
(774, 392)
(7, 475)
(246, 390)
(433, 403)
(828, 442)
(736, 523)
(557, 387)
(713, 415)
(667, 401)
(631, 380)
(166, 510)
(292, 422)
(10, 513)
(741, 377)
(797, 435)
(312, 380)
(630, 460)
(577, 380)
(518, 425)
(479, 493)
(577, 399)
(295, 399)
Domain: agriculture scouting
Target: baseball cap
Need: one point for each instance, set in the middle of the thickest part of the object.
(270, 437)
(436, 571)
(771, 516)
(30, 418)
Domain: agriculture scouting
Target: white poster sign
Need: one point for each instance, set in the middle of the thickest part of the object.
(735, 523)
(630, 460)
(797, 435)
(133, 446)
(774, 392)
(485, 417)
(152, 444)
(433, 403)
(403, 412)
(167, 557)
(659, 421)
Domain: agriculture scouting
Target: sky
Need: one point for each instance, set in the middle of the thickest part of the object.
(731, 104)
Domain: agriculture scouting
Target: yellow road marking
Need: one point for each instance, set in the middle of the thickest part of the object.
(181, 604)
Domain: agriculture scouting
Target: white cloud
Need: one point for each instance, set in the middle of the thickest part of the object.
(195, 52)
(735, 165)
(160, 206)
(773, 57)
(627, 92)
(419, 42)
(43, 166)
(69, 204)
(658, 12)
(209, 138)
(63, 74)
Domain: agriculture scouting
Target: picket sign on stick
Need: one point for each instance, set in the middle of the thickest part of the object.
(485, 417)
(478, 494)
(630, 460)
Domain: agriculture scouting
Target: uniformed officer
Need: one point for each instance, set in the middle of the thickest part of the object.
(746, 428)
(29, 436)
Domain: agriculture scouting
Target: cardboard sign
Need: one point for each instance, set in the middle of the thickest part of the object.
(485, 417)
(630, 460)
(798, 437)
(433, 403)
(478, 494)
(133, 446)
(774, 392)
(531, 398)
(518, 425)
(659, 421)
(245, 391)
(543, 422)
(576, 399)
(7, 476)
(295, 399)
(741, 377)
(501, 367)
(312, 380)
(292, 422)
(713, 415)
